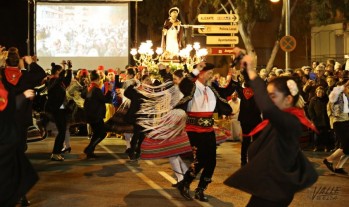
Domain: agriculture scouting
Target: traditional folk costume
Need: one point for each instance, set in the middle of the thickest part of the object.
(277, 168)
(17, 175)
(200, 102)
(164, 126)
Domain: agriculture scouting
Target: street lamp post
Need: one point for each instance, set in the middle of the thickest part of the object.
(287, 29)
(286, 6)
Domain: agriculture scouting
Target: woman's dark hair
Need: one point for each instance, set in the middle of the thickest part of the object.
(94, 75)
(179, 73)
(281, 84)
(12, 57)
(144, 77)
(55, 68)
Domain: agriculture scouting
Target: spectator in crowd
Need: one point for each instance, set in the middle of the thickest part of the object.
(339, 110)
(318, 115)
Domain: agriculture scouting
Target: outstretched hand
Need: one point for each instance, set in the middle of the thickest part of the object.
(246, 63)
(200, 65)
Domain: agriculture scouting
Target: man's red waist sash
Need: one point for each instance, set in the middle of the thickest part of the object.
(199, 122)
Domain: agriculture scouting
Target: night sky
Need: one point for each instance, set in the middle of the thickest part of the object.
(13, 31)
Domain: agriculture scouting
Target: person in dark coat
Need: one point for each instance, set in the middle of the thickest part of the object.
(200, 101)
(249, 117)
(132, 93)
(95, 110)
(17, 175)
(277, 168)
(29, 78)
(56, 86)
(317, 111)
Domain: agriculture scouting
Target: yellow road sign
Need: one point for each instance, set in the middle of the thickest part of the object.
(222, 40)
(218, 18)
(220, 29)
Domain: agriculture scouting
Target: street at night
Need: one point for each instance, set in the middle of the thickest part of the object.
(113, 181)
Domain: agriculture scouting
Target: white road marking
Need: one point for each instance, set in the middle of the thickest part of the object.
(151, 163)
(167, 177)
(150, 182)
(144, 178)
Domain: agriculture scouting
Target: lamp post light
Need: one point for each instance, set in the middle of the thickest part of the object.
(188, 58)
(286, 5)
(146, 54)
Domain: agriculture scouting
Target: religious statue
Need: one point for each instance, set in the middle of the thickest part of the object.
(171, 35)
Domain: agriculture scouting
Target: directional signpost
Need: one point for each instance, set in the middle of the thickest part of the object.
(222, 40)
(220, 50)
(228, 18)
(220, 29)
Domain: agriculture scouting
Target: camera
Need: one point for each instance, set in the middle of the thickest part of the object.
(69, 64)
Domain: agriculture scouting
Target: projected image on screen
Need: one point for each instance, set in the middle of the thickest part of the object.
(92, 30)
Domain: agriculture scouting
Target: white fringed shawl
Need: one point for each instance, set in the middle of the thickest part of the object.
(159, 118)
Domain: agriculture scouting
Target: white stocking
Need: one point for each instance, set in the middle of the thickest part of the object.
(184, 166)
(128, 137)
(335, 155)
(342, 161)
(176, 167)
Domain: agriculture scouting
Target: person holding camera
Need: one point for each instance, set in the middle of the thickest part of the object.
(57, 84)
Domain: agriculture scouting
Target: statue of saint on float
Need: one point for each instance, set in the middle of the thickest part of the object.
(171, 35)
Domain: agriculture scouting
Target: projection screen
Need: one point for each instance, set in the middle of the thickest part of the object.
(88, 34)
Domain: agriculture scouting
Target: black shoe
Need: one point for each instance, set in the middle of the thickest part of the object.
(340, 171)
(328, 164)
(175, 185)
(131, 155)
(243, 164)
(334, 149)
(57, 157)
(199, 194)
(64, 150)
(91, 156)
(24, 202)
(137, 156)
(127, 151)
(184, 190)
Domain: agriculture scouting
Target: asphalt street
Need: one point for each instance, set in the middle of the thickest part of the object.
(113, 181)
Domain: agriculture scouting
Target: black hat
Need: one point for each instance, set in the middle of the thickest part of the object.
(130, 71)
(208, 66)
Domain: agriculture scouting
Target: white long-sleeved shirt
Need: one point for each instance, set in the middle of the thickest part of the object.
(200, 103)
